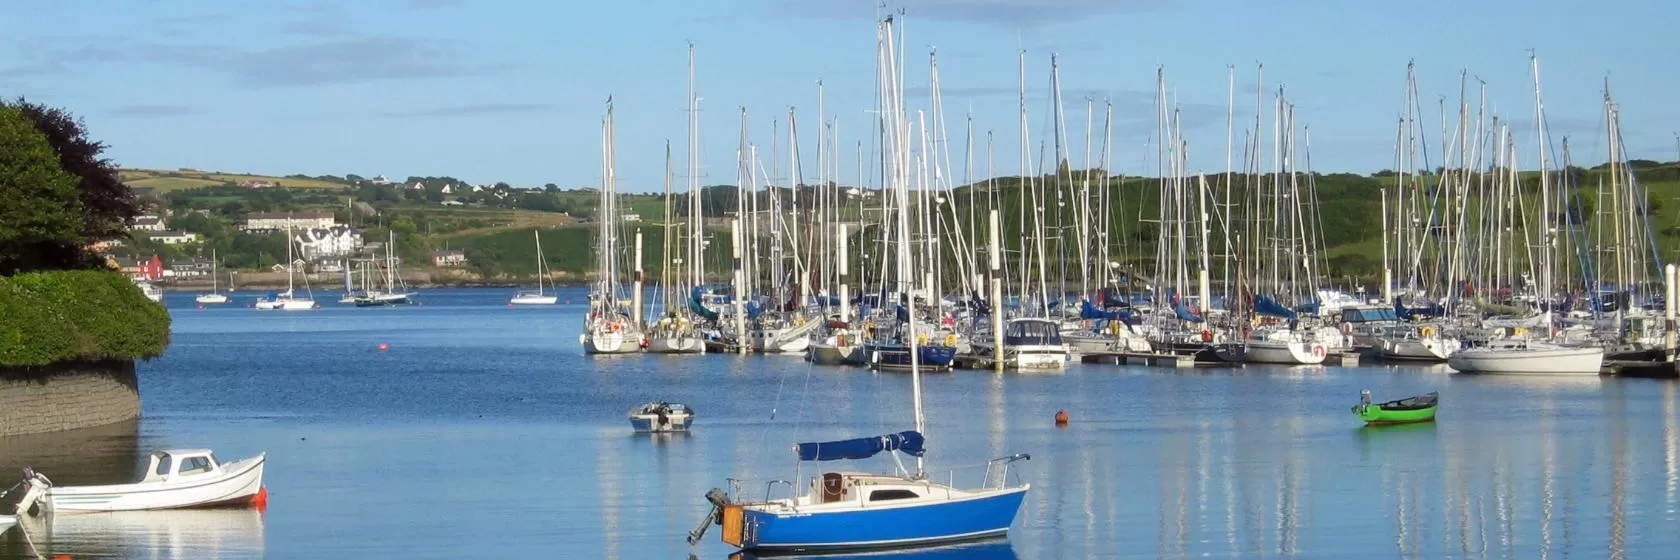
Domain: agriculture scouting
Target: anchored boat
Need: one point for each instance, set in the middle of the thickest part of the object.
(176, 478)
(661, 416)
(1404, 411)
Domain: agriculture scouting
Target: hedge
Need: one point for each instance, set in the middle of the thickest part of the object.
(65, 315)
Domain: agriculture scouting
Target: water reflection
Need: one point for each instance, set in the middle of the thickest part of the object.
(213, 533)
(100, 455)
(988, 550)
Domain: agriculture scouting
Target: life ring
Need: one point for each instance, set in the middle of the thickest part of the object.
(613, 327)
(1207, 335)
(1318, 350)
(1426, 331)
(951, 340)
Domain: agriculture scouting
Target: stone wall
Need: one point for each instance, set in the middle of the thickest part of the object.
(67, 396)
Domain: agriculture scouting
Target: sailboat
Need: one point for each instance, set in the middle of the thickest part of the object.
(607, 329)
(1519, 355)
(851, 510)
(527, 297)
(394, 291)
(673, 333)
(288, 300)
(215, 295)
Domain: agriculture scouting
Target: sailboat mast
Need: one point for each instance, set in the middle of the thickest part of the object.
(898, 137)
(1545, 295)
(696, 229)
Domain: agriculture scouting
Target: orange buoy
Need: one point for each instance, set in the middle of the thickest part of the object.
(1061, 418)
(260, 501)
(383, 347)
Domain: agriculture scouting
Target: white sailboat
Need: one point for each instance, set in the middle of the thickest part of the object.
(850, 510)
(288, 300)
(1528, 357)
(607, 329)
(394, 291)
(538, 297)
(215, 295)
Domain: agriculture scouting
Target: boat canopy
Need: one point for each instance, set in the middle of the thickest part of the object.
(1032, 332)
(908, 442)
(1368, 314)
(1425, 312)
(1265, 305)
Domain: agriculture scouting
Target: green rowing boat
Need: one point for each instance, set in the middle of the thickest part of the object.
(1403, 411)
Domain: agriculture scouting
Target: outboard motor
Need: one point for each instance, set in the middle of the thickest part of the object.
(35, 486)
(718, 499)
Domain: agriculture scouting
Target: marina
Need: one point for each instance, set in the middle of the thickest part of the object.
(1237, 461)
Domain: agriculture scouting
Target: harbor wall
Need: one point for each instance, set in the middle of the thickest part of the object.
(67, 396)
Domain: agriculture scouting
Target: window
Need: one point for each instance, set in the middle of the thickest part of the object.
(880, 495)
(194, 465)
(163, 465)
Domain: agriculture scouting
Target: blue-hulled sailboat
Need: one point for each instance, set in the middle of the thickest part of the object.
(843, 510)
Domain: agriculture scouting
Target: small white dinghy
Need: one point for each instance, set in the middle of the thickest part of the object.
(176, 478)
(661, 416)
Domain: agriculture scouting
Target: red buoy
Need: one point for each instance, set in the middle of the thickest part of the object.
(383, 347)
(1061, 418)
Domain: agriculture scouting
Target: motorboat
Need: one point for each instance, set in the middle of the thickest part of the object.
(175, 478)
(661, 416)
(1028, 344)
(1404, 411)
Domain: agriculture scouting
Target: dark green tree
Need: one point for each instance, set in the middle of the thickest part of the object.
(41, 215)
(106, 204)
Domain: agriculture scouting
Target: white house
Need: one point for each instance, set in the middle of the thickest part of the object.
(336, 241)
(380, 180)
(147, 222)
(632, 218)
(170, 237)
(448, 190)
(276, 221)
(417, 186)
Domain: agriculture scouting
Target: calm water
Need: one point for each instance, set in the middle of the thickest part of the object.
(484, 432)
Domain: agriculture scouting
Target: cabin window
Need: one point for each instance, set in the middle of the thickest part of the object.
(163, 465)
(194, 465)
(880, 495)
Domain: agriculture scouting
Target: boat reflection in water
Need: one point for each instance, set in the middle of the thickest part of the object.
(204, 533)
(996, 549)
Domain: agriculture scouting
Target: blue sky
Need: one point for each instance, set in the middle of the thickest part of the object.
(503, 90)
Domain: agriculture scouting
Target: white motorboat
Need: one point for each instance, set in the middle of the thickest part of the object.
(150, 290)
(1522, 357)
(185, 533)
(661, 416)
(176, 478)
(1028, 344)
(1283, 346)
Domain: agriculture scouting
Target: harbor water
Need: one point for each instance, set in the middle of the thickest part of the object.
(483, 431)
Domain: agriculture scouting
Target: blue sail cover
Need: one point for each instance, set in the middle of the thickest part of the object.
(1087, 310)
(697, 295)
(1265, 305)
(908, 442)
(1185, 314)
(1425, 312)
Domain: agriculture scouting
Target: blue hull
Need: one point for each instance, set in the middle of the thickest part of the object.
(936, 357)
(883, 526)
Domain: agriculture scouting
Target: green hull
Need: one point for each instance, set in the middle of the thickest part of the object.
(1375, 415)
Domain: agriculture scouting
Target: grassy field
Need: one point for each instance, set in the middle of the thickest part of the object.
(164, 180)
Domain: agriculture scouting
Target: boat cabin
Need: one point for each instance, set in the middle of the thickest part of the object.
(867, 489)
(171, 463)
(1032, 332)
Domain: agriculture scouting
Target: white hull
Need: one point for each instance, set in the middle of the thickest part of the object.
(1548, 360)
(286, 305)
(534, 300)
(194, 533)
(685, 344)
(238, 482)
(829, 354)
(1427, 349)
(791, 340)
(1281, 352)
(1027, 357)
(211, 298)
(622, 342)
(676, 422)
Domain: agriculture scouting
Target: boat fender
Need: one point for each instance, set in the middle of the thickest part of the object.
(1347, 328)
(1207, 335)
(921, 340)
(951, 339)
